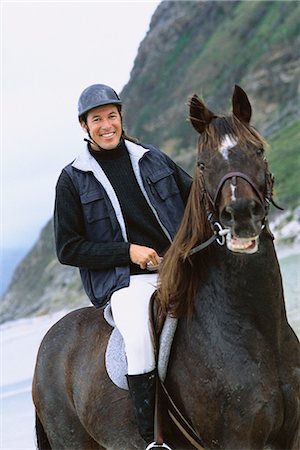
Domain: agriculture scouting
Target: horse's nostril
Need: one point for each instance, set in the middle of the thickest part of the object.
(254, 206)
(236, 212)
(256, 209)
(227, 215)
(229, 210)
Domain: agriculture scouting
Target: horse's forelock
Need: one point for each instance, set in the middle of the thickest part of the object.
(221, 126)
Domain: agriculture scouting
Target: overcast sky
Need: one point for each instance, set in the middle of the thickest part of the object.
(50, 52)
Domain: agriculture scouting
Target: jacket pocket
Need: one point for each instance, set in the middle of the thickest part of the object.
(163, 183)
(94, 206)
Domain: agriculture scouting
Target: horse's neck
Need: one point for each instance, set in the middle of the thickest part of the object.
(245, 290)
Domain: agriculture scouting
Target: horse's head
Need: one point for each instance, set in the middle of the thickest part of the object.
(236, 182)
(231, 193)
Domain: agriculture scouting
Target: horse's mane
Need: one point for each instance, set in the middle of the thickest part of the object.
(180, 274)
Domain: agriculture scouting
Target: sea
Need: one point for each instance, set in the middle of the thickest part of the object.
(19, 344)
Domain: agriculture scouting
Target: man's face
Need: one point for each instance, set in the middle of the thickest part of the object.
(105, 126)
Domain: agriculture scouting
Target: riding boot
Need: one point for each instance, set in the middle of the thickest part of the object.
(142, 392)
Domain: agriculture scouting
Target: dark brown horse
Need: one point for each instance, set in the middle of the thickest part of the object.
(234, 365)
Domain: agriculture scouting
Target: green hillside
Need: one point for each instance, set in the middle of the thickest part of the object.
(206, 48)
(284, 158)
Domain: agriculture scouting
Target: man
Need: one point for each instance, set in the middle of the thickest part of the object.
(118, 206)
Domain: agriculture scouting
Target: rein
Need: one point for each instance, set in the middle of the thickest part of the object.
(182, 424)
(219, 236)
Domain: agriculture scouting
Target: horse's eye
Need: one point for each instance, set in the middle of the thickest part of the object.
(201, 165)
(260, 151)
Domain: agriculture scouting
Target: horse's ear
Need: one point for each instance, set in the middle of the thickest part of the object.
(241, 106)
(200, 115)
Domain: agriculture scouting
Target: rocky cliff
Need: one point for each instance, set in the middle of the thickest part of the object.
(40, 284)
(191, 47)
(205, 48)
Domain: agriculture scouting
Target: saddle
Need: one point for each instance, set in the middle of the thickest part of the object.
(115, 357)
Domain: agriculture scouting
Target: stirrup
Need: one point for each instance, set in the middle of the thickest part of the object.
(154, 445)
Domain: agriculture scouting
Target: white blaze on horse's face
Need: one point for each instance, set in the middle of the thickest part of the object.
(228, 143)
(233, 188)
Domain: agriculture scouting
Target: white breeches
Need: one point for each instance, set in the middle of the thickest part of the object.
(130, 311)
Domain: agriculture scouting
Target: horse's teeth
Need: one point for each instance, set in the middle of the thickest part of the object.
(242, 245)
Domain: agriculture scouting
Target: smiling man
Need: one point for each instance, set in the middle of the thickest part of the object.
(118, 206)
(104, 127)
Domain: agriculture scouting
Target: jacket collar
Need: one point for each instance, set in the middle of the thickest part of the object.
(86, 162)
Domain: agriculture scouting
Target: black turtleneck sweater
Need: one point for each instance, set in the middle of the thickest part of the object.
(141, 224)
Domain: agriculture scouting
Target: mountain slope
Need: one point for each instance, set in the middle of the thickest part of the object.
(206, 48)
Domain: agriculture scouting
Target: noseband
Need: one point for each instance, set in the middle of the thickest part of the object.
(233, 176)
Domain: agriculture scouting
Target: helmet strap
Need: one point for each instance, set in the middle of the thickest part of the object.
(91, 141)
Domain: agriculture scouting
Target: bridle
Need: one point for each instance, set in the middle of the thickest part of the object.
(211, 203)
(232, 176)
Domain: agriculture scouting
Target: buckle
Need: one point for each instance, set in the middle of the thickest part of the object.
(220, 233)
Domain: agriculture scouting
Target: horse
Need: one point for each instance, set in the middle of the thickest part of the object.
(233, 371)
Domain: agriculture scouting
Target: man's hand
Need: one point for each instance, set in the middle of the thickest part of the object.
(141, 256)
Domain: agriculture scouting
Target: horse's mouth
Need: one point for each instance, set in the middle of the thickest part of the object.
(242, 245)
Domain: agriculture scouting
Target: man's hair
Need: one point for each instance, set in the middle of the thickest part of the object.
(83, 117)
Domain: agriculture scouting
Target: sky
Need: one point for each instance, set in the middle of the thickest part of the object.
(50, 52)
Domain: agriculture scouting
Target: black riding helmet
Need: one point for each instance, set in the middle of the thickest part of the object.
(94, 96)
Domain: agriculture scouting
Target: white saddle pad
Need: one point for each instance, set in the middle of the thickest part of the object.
(115, 358)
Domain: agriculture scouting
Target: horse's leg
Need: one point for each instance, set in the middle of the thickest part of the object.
(57, 424)
(79, 407)
(42, 441)
(65, 432)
